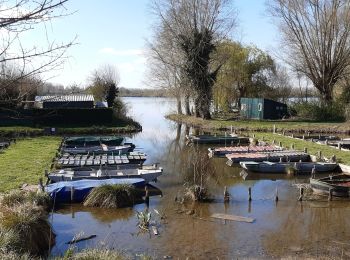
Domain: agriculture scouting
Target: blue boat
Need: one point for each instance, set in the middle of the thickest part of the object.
(61, 192)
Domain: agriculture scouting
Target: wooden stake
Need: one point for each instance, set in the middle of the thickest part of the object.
(72, 194)
(276, 195)
(301, 193)
(226, 195)
(250, 193)
(330, 194)
(146, 196)
(305, 149)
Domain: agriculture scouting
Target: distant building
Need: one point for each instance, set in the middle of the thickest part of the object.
(262, 108)
(65, 101)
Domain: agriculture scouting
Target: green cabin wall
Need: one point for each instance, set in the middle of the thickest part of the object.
(269, 109)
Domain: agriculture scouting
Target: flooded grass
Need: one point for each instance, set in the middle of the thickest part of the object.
(112, 196)
(26, 160)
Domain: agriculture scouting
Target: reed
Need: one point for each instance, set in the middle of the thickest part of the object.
(95, 254)
(25, 228)
(112, 196)
(15, 197)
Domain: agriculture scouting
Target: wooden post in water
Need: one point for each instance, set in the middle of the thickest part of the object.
(72, 194)
(276, 195)
(146, 196)
(250, 193)
(301, 193)
(330, 194)
(339, 146)
(305, 149)
(226, 195)
(280, 144)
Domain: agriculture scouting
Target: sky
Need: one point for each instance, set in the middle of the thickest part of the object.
(115, 32)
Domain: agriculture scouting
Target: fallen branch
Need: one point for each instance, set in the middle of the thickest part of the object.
(77, 240)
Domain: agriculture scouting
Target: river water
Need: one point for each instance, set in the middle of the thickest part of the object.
(287, 228)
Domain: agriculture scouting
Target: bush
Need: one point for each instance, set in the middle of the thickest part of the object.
(111, 196)
(316, 111)
(25, 229)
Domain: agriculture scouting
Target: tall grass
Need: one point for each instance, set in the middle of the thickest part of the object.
(112, 196)
(15, 197)
(25, 229)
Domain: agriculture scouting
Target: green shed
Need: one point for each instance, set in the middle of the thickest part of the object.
(262, 108)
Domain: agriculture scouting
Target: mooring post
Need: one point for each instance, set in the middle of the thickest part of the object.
(280, 144)
(72, 194)
(231, 128)
(339, 146)
(292, 135)
(303, 137)
(250, 193)
(146, 196)
(319, 154)
(301, 193)
(226, 195)
(276, 195)
(326, 142)
(274, 129)
(330, 194)
(283, 132)
(305, 149)
(308, 133)
(273, 141)
(292, 146)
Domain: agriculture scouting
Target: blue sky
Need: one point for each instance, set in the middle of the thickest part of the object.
(115, 32)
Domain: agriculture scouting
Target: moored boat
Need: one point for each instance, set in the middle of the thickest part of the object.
(217, 139)
(222, 151)
(286, 156)
(283, 167)
(61, 192)
(339, 184)
(147, 172)
(100, 149)
(93, 140)
(92, 160)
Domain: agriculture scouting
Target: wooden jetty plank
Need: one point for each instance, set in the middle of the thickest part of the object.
(233, 217)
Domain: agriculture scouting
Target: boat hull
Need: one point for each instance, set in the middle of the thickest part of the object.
(62, 192)
(338, 185)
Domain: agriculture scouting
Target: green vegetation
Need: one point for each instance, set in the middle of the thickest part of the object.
(263, 126)
(317, 111)
(24, 225)
(26, 160)
(111, 196)
(312, 148)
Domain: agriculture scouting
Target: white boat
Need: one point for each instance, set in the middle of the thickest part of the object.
(147, 172)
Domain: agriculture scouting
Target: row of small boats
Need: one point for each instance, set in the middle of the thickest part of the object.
(84, 165)
(272, 159)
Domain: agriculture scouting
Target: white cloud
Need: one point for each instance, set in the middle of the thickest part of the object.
(128, 52)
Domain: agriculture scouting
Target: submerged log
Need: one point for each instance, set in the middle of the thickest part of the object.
(233, 217)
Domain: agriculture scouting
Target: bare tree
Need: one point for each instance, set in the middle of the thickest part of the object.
(18, 18)
(194, 27)
(316, 34)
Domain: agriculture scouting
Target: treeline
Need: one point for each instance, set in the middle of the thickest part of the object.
(137, 92)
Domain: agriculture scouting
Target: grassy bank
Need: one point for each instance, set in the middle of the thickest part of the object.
(26, 160)
(312, 148)
(263, 126)
(263, 130)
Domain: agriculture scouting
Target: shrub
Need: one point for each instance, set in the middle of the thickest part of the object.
(111, 196)
(316, 111)
(27, 228)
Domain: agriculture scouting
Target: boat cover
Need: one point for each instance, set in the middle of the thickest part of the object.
(60, 192)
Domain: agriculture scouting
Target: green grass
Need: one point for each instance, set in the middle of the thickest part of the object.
(263, 125)
(312, 148)
(26, 160)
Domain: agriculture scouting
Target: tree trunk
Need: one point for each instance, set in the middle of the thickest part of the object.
(179, 106)
(187, 105)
